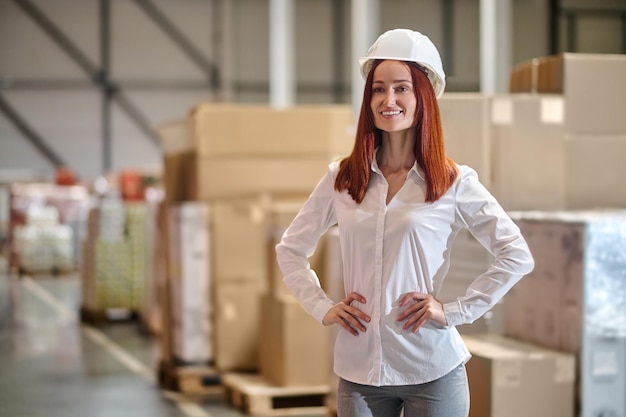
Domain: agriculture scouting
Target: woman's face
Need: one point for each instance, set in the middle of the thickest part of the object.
(393, 100)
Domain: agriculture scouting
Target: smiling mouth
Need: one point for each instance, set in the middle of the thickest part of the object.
(391, 113)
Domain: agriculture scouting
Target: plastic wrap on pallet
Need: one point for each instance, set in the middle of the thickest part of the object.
(575, 299)
(593, 242)
(43, 244)
(605, 269)
(112, 219)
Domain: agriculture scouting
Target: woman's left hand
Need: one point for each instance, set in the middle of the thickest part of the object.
(421, 308)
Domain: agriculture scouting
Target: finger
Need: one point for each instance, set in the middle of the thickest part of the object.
(413, 320)
(419, 324)
(346, 325)
(407, 298)
(354, 296)
(359, 314)
(407, 312)
(410, 310)
(353, 321)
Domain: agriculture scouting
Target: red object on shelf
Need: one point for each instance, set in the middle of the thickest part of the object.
(131, 185)
(64, 176)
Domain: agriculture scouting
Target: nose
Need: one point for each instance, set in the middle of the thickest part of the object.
(390, 97)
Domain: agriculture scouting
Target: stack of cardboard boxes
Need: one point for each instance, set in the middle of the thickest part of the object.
(559, 152)
(556, 145)
(251, 168)
(562, 148)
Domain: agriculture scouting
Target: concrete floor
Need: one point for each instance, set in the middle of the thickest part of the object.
(52, 365)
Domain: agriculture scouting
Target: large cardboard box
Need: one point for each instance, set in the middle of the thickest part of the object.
(333, 277)
(465, 119)
(528, 152)
(238, 236)
(594, 171)
(179, 160)
(591, 107)
(180, 177)
(175, 136)
(537, 165)
(228, 130)
(242, 228)
(230, 177)
(280, 216)
(293, 345)
(236, 324)
(508, 378)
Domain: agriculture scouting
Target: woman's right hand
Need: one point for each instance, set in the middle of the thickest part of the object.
(348, 317)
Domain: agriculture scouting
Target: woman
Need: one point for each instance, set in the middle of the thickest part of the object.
(399, 202)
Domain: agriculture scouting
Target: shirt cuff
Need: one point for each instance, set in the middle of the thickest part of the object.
(321, 309)
(452, 311)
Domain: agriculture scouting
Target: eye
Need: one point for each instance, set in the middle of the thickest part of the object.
(402, 89)
(378, 90)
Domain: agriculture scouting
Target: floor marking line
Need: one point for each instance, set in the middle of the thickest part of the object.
(48, 298)
(119, 353)
(96, 336)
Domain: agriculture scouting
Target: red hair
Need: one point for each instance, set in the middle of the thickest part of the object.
(440, 171)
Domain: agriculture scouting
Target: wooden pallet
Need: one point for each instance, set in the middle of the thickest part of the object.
(198, 380)
(47, 272)
(331, 405)
(251, 394)
(91, 316)
(192, 380)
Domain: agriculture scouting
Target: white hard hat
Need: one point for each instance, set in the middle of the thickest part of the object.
(407, 45)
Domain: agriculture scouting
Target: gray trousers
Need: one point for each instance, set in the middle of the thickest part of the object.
(447, 396)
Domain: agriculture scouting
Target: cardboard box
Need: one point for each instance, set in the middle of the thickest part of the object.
(333, 278)
(590, 107)
(508, 378)
(180, 178)
(238, 236)
(528, 152)
(594, 171)
(293, 345)
(523, 77)
(465, 119)
(179, 160)
(236, 324)
(242, 228)
(275, 275)
(280, 217)
(175, 137)
(593, 107)
(252, 176)
(228, 130)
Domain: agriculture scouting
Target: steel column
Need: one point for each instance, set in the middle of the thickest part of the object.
(107, 91)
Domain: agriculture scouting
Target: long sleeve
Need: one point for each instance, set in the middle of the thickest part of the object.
(483, 216)
(299, 242)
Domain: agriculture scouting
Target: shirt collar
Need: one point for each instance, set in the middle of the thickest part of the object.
(416, 169)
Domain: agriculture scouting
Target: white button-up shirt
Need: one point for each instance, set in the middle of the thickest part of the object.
(392, 249)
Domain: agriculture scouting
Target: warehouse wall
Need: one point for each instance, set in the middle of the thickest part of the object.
(61, 104)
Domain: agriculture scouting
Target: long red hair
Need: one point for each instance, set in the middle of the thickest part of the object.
(440, 171)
